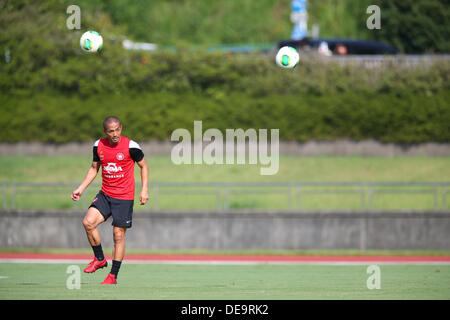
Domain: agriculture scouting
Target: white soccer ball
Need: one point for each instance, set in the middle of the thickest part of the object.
(287, 57)
(91, 41)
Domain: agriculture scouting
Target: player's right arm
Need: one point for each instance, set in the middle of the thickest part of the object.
(90, 176)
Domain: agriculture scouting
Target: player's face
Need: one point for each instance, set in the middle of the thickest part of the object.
(113, 131)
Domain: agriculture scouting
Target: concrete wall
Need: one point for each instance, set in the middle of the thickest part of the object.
(236, 230)
(341, 147)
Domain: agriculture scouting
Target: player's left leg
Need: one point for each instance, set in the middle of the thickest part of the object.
(117, 254)
(119, 243)
(122, 213)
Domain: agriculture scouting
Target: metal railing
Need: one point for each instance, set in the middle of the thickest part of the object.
(224, 196)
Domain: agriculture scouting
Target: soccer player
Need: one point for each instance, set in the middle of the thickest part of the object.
(116, 155)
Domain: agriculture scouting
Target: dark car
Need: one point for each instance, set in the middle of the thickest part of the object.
(352, 46)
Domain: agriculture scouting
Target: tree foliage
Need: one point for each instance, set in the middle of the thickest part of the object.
(415, 26)
(54, 92)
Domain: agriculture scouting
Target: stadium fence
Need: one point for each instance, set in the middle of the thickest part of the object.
(225, 196)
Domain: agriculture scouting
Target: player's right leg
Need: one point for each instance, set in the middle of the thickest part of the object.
(90, 222)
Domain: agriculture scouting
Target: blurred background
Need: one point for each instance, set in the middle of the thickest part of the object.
(363, 120)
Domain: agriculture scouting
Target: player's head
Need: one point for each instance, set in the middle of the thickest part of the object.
(113, 129)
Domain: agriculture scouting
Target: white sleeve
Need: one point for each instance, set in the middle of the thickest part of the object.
(134, 145)
(135, 151)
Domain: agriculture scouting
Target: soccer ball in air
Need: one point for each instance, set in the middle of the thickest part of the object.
(287, 57)
(91, 41)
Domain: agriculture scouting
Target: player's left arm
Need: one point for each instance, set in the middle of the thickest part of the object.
(143, 197)
(138, 156)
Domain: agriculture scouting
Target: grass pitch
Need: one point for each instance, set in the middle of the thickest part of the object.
(292, 168)
(63, 169)
(48, 281)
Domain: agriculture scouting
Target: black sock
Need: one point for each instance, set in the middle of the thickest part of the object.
(98, 252)
(115, 267)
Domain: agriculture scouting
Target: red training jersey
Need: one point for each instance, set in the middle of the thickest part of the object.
(118, 166)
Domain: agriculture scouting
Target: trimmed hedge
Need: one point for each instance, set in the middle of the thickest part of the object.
(55, 118)
(157, 93)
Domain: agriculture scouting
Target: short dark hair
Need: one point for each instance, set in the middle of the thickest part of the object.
(110, 119)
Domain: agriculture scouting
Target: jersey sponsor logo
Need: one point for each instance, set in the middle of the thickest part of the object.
(120, 156)
(112, 168)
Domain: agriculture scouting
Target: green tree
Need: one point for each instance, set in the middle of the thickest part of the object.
(415, 26)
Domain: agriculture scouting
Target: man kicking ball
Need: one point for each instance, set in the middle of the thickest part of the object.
(116, 155)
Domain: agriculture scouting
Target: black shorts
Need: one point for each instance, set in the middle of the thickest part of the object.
(121, 210)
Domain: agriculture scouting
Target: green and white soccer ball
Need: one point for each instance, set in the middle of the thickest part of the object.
(287, 57)
(91, 41)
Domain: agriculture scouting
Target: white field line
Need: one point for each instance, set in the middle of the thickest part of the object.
(212, 262)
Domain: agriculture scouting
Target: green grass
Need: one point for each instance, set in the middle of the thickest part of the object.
(320, 168)
(226, 282)
(351, 252)
(296, 169)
